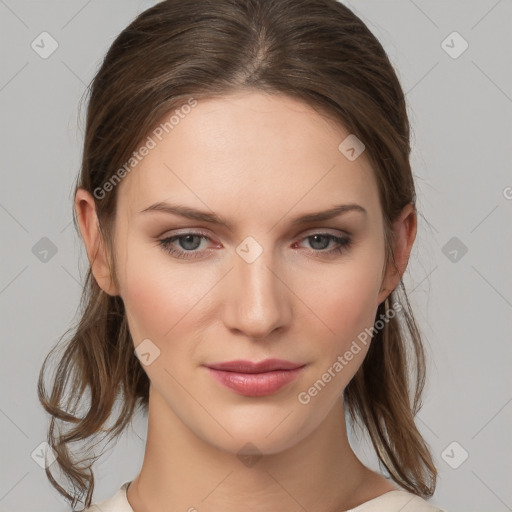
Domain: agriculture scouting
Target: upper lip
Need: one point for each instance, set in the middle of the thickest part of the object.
(268, 365)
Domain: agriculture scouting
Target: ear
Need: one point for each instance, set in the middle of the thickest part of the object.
(85, 208)
(404, 232)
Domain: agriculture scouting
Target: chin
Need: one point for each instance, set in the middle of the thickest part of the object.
(263, 430)
(254, 443)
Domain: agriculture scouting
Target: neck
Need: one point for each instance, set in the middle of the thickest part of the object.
(181, 471)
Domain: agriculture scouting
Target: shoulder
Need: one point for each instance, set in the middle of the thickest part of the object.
(394, 501)
(116, 503)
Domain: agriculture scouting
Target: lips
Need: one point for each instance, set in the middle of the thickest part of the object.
(268, 365)
(255, 378)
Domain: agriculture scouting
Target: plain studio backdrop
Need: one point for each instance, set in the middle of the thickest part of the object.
(453, 64)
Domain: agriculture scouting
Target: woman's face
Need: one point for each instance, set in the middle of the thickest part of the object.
(268, 286)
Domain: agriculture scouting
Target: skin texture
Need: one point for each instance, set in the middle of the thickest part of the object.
(257, 160)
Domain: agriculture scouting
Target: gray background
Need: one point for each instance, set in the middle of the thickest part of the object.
(460, 111)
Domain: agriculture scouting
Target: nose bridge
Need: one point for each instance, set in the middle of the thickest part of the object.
(256, 302)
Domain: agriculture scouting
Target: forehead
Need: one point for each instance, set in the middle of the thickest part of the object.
(260, 152)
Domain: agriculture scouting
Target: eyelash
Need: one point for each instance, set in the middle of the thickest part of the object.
(344, 243)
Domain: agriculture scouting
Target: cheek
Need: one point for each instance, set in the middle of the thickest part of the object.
(344, 297)
(150, 307)
(161, 299)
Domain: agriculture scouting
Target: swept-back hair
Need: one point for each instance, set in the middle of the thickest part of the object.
(316, 51)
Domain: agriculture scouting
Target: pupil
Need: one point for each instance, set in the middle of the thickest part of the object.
(315, 239)
(187, 240)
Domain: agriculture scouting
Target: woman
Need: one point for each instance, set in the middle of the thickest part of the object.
(248, 210)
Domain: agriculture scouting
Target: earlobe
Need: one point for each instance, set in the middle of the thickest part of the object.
(85, 208)
(404, 233)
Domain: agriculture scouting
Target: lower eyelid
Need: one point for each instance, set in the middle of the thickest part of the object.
(341, 242)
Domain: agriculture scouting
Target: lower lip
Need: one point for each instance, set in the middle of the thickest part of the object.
(255, 384)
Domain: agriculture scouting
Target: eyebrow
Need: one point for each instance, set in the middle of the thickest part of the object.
(192, 213)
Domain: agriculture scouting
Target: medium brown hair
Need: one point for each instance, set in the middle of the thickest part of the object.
(316, 51)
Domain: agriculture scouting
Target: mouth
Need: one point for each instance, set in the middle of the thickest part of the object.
(255, 378)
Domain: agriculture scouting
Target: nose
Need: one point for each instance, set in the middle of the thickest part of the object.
(257, 300)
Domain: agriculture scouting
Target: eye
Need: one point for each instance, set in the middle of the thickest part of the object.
(186, 245)
(320, 241)
(189, 242)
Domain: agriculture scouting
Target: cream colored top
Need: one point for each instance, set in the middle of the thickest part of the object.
(392, 501)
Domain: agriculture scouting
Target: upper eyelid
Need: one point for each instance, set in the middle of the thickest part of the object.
(306, 234)
(337, 238)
